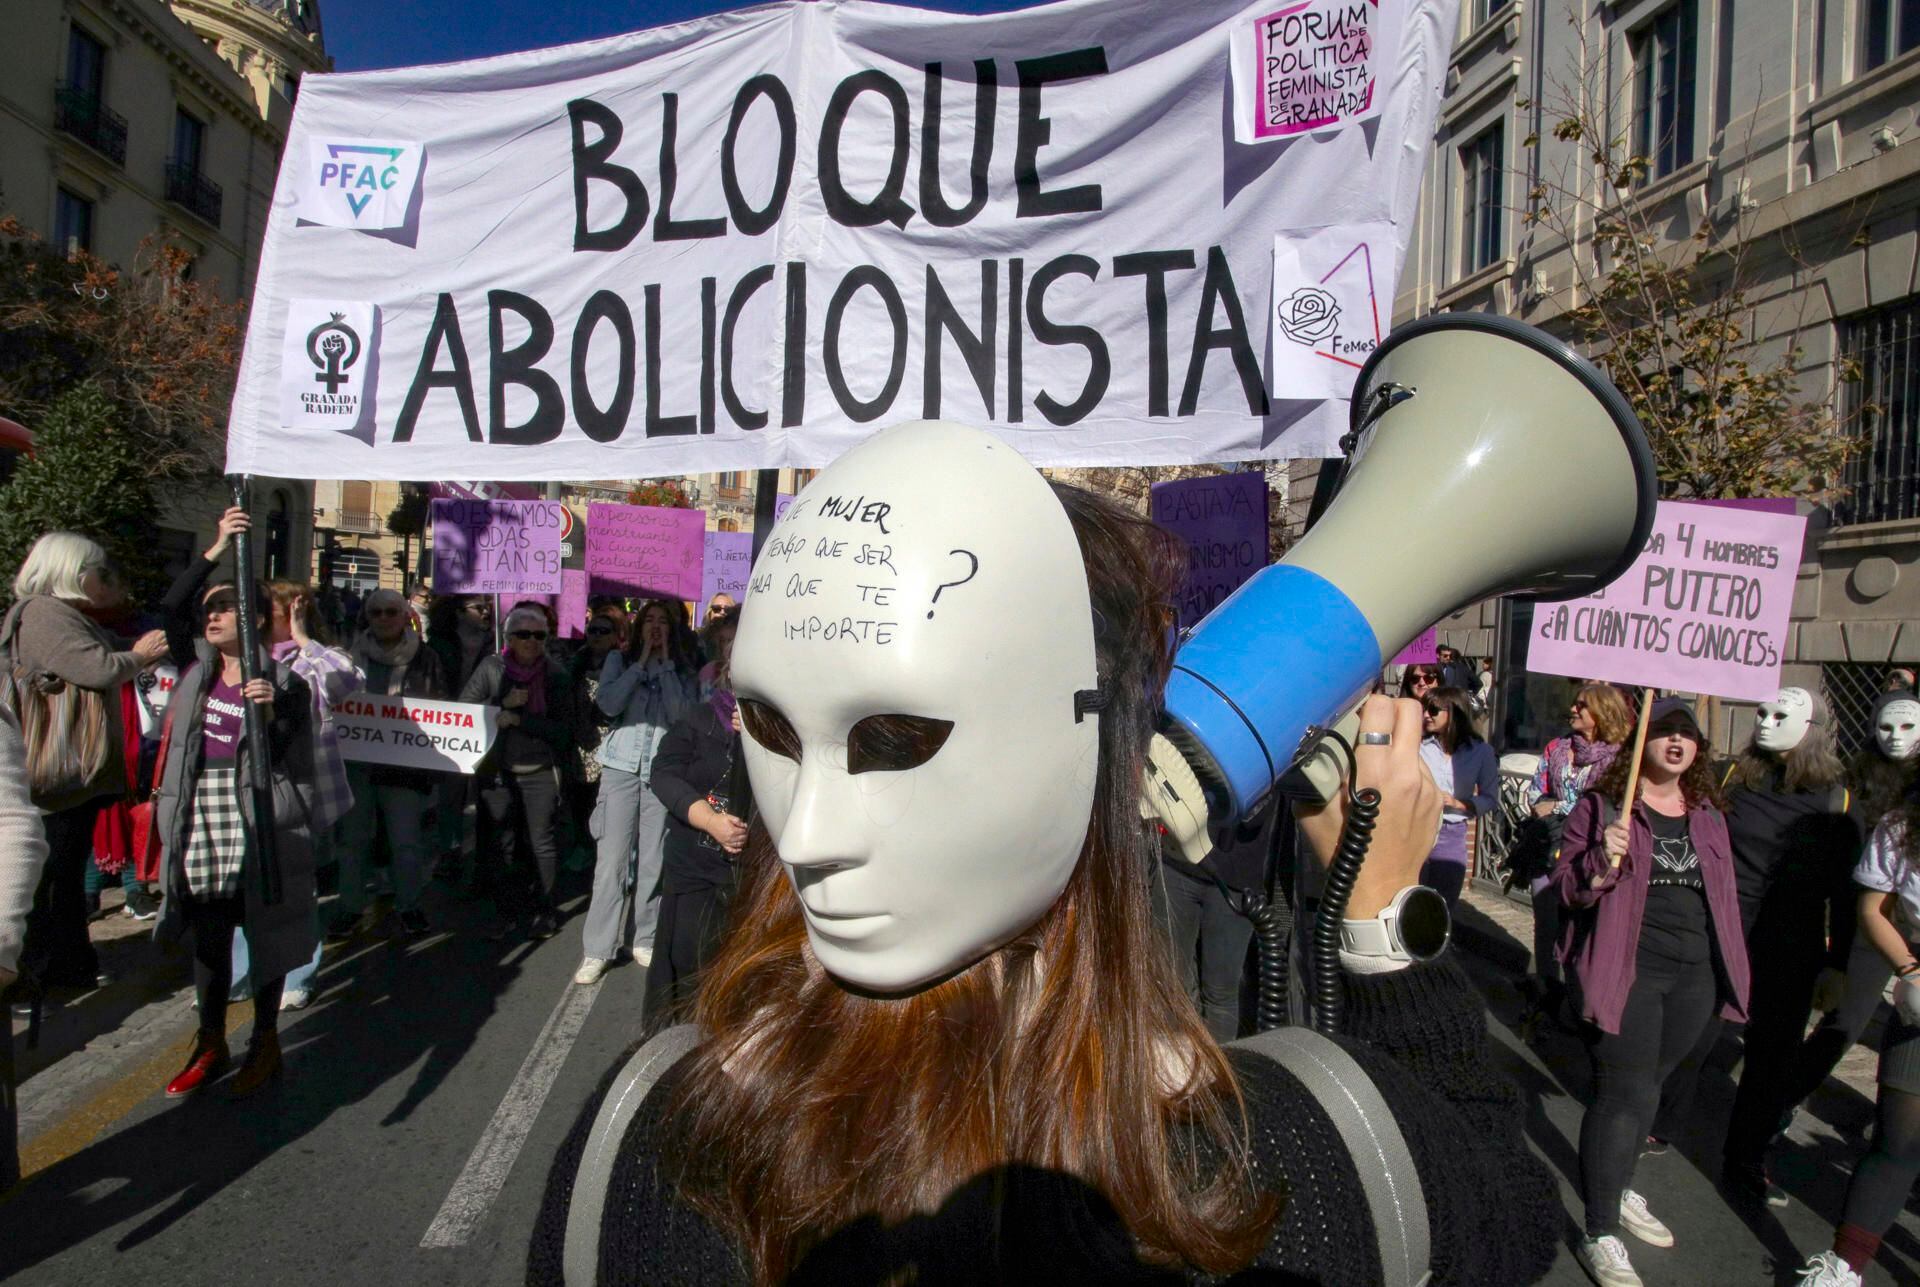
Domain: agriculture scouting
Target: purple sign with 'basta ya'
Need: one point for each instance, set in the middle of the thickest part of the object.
(1223, 520)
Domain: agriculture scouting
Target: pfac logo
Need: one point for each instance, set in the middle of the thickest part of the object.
(360, 183)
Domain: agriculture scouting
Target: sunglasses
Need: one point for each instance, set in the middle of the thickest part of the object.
(527, 634)
(1432, 708)
(385, 612)
(1581, 706)
(599, 630)
(481, 608)
(215, 607)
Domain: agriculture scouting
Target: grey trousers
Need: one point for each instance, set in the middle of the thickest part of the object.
(628, 820)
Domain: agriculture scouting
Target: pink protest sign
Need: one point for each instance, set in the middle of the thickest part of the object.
(729, 558)
(1703, 610)
(1312, 65)
(505, 547)
(570, 605)
(646, 549)
(780, 503)
(1424, 651)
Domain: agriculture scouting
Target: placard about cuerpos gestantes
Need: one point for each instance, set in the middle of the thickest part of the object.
(358, 183)
(1312, 66)
(329, 360)
(1332, 304)
(1703, 610)
(414, 733)
(505, 547)
(1222, 520)
(647, 549)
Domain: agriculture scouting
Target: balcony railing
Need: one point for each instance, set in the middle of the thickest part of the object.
(80, 114)
(193, 191)
(356, 520)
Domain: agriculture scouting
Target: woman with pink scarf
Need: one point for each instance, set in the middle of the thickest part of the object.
(519, 845)
(1601, 721)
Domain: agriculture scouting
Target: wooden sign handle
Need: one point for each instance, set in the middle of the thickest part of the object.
(1633, 766)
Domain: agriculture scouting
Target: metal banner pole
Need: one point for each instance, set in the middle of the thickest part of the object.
(257, 762)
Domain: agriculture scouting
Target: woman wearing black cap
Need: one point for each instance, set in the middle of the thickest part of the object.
(1654, 950)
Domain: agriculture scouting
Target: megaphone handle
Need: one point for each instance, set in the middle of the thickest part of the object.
(1633, 766)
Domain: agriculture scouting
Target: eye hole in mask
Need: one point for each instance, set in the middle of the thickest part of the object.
(769, 728)
(891, 743)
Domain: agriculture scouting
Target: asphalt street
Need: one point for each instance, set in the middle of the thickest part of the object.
(431, 1083)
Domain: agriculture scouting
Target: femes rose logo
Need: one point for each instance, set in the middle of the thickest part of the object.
(1309, 315)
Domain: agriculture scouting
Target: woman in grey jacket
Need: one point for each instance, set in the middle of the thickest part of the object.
(217, 877)
(643, 690)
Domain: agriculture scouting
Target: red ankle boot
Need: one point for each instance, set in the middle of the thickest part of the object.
(261, 1067)
(208, 1060)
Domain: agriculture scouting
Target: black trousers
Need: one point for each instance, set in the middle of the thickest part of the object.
(1786, 953)
(519, 852)
(692, 920)
(212, 922)
(1210, 947)
(1669, 1017)
(57, 950)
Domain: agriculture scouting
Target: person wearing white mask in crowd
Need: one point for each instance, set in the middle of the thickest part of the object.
(944, 1035)
(1889, 902)
(1794, 846)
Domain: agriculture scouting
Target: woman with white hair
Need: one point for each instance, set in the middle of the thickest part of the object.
(68, 672)
(520, 778)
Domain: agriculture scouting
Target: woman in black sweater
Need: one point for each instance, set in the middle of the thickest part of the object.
(1055, 1108)
(701, 780)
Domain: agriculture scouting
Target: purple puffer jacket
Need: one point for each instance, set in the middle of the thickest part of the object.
(1600, 942)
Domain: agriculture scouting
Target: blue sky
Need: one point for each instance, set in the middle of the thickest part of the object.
(365, 34)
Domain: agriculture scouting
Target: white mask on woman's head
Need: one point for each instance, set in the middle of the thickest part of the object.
(1897, 728)
(1779, 725)
(929, 572)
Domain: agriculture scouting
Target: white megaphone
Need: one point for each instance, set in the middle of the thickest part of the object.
(1487, 458)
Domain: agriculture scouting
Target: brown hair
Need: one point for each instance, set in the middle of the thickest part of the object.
(829, 1106)
(1613, 715)
(1460, 730)
(284, 592)
(1699, 785)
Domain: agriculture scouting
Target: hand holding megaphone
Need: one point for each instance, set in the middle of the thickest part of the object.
(1409, 806)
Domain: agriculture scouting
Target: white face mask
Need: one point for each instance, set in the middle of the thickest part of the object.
(929, 572)
(1898, 729)
(1779, 725)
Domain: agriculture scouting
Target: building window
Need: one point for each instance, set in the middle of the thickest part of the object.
(186, 185)
(801, 477)
(1893, 28)
(1481, 171)
(1665, 55)
(1484, 10)
(189, 138)
(730, 482)
(86, 65)
(72, 222)
(1883, 477)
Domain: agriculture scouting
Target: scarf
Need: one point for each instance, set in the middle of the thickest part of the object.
(1597, 753)
(533, 677)
(370, 651)
(284, 649)
(723, 703)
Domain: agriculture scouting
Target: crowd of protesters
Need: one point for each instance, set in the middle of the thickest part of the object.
(1671, 891)
(129, 740)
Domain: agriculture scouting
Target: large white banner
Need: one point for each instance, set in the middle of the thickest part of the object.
(752, 239)
(414, 732)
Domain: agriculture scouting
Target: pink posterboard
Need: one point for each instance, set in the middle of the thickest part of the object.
(1704, 609)
(1317, 64)
(570, 605)
(1424, 651)
(505, 547)
(646, 549)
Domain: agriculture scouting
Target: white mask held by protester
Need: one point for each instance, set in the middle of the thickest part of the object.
(1779, 725)
(1897, 728)
(930, 573)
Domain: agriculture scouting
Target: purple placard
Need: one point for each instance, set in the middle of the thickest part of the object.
(1703, 610)
(646, 549)
(728, 560)
(506, 547)
(570, 605)
(1223, 520)
(780, 502)
(1424, 651)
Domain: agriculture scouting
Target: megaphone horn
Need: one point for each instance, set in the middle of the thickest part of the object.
(1487, 458)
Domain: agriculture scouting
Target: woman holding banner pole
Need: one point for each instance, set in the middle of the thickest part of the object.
(1654, 950)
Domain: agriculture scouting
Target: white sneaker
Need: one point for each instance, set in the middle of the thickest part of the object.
(1605, 1260)
(1642, 1223)
(295, 999)
(643, 956)
(1828, 1270)
(590, 971)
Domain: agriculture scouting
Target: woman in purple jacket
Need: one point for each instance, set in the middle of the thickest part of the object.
(1654, 948)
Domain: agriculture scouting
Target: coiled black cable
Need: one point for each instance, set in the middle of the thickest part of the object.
(1273, 925)
(1329, 993)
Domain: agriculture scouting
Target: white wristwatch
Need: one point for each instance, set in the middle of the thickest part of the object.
(1415, 926)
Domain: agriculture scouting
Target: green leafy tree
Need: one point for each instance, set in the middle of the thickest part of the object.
(86, 475)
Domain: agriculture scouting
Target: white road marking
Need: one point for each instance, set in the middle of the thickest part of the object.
(485, 1174)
